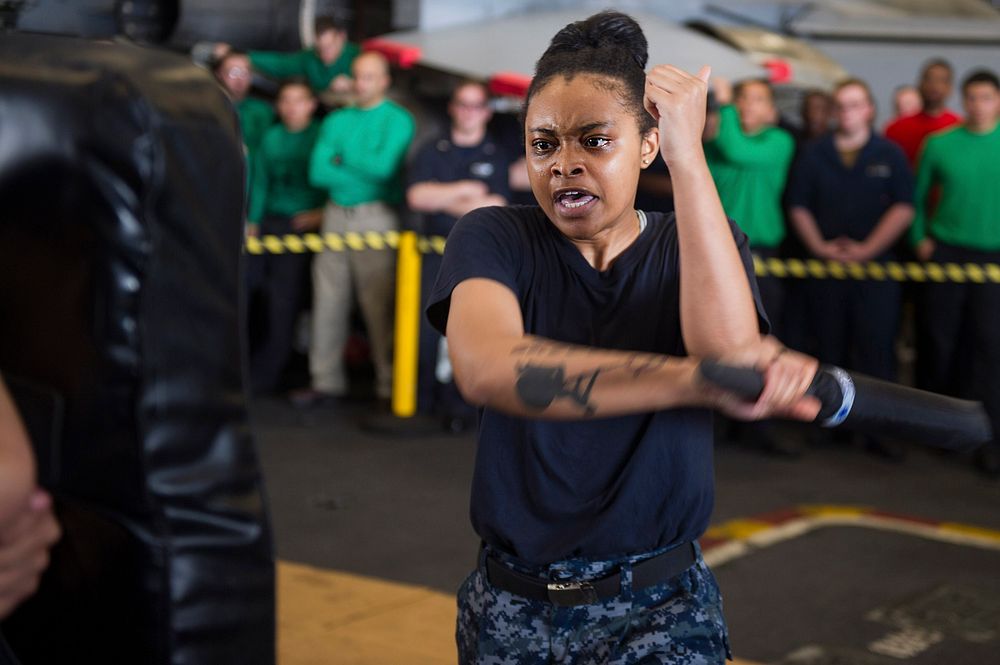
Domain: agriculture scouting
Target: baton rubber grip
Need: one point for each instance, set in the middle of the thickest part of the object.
(874, 406)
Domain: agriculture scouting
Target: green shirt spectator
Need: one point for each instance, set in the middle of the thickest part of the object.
(281, 174)
(233, 72)
(325, 66)
(966, 167)
(959, 321)
(281, 203)
(357, 159)
(750, 172)
(306, 64)
(360, 152)
(256, 116)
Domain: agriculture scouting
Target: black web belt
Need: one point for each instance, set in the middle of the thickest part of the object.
(570, 593)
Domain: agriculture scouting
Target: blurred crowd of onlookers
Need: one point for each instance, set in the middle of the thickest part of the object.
(830, 186)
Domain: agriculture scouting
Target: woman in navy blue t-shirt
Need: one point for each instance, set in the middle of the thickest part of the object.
(577, 325)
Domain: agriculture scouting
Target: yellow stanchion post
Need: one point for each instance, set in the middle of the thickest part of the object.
(404, 365)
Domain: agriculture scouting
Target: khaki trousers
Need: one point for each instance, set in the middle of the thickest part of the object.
(337, 276)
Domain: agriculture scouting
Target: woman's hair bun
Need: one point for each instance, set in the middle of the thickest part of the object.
(609, 45)
(607, 29)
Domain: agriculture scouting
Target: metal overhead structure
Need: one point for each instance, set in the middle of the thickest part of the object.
(953, 21)
(504, 51)
(806, 65)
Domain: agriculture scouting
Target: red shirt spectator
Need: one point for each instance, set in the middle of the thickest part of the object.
(909, 132)
(935, 88)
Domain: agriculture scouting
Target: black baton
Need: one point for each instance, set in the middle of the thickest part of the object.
(874, 406)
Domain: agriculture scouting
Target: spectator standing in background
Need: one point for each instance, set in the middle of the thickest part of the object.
(357, 160)
(964, 164)
(281, 202)
(850, 198)
(817, 114)
(232, 70)
(905, 102)
(325, 66)
(749, 159)
(935, 88)
(451, 175)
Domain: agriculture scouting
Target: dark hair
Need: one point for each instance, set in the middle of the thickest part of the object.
(296, 81)
(609, 44)
(740, 85)
(328, 23)
(814, 93)
(981, 76)
(937, 62)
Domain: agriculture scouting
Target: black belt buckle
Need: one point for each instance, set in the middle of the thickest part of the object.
(570, 594)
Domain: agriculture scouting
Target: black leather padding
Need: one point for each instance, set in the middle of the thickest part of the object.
(121, 225)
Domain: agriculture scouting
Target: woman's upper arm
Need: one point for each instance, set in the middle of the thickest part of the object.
(484, 321)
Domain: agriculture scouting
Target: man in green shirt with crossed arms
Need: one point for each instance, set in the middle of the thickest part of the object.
(357, 160)
(960, 321)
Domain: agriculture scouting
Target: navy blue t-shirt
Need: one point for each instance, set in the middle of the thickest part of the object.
(440, 160)
(549, 490)
(850, 201)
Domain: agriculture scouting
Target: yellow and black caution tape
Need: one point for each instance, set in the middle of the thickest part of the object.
(337, 242)
(894, 271)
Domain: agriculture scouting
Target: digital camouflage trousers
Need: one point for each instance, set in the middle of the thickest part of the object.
(678, 621)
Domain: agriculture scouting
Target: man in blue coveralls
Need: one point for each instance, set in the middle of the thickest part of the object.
(461, 170)
(850, 199)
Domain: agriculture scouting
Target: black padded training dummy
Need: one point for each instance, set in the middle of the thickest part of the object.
(121, 195)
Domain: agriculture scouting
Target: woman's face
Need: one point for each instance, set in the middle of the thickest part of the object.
(584, 153)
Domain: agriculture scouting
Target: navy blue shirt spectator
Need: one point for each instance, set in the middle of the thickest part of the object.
(850, 200)
(550, 490)
(465, 169)
(440, 160)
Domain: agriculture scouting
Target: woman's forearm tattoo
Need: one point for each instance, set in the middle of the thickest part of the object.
(539, 383)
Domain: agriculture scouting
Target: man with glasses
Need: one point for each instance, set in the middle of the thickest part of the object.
(850, 199)
(462, 170)
(232, 70)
